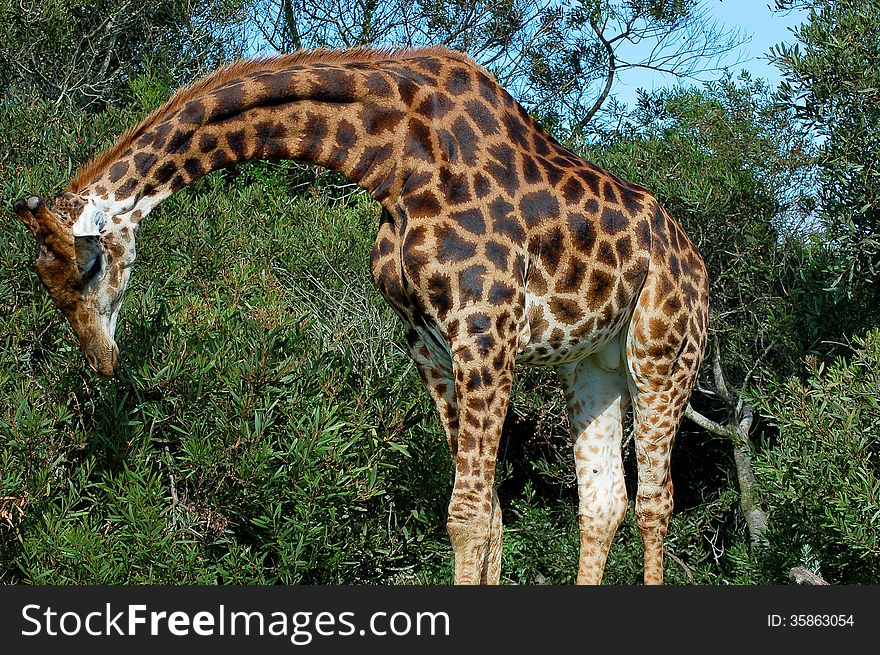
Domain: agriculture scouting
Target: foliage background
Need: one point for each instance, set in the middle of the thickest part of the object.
(268, 427)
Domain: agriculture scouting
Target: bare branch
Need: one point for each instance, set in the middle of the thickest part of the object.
(708, 424)
(685, 568)
(609, 78)
(717, 372)
(800, 575)
(550, 55)
(748, 377)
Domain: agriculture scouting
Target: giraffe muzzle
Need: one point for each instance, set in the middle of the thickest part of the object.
(102, 359)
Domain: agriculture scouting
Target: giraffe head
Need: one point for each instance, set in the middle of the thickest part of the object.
(85, 268)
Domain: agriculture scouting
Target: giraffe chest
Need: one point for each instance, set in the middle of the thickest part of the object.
(388, 274)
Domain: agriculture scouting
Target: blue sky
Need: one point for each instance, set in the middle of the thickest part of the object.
(762, 27)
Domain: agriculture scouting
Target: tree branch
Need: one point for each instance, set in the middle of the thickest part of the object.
(609, 79)
(708, 424)
(800, 575)
(756, 518)
(291, 31)
(740, 417)
(748, 378)
(684, 566)
(717, 372)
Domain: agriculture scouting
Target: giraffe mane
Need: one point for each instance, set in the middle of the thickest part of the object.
(242, 68)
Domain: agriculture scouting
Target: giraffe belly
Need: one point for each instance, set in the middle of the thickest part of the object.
(545, 340)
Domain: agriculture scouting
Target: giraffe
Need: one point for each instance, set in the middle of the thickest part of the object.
(496, 245)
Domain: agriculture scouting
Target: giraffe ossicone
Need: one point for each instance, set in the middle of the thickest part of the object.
(496, 246)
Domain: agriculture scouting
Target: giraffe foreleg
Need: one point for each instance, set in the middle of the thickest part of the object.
(597, 400)
(438, 379)
(492, 567)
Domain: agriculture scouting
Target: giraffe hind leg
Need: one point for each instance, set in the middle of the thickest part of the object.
(597, 401)
(655, 427)
(662, 367)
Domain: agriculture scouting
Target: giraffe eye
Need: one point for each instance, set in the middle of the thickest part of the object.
(89, 257)
(93, 269)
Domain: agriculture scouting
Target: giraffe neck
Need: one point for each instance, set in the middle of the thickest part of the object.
(340, 116)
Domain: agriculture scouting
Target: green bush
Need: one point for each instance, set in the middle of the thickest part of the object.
(266, 424)
(820, 477)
